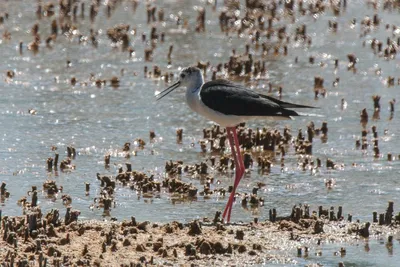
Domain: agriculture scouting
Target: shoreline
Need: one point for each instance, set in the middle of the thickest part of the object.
(99, 243)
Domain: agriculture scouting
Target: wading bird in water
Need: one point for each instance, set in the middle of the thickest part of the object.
(228, 105)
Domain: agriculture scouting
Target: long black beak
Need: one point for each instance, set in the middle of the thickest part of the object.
(168, 90)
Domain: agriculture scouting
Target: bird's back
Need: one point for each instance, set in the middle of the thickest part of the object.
(230, 99)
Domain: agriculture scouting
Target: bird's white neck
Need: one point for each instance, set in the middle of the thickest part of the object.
(193, 92)
(195, 83)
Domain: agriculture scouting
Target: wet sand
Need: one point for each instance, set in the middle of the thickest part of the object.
(198, 243)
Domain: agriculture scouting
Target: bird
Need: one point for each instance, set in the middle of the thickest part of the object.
(229, 104)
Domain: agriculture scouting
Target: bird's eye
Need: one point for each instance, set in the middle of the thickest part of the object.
(183, 75)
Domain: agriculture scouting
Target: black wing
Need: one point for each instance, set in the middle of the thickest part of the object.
(283, 103)
(231, 99)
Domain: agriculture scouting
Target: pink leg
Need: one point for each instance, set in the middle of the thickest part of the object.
(240, 158)
(239, 166)
(230, 200)
(234, 142)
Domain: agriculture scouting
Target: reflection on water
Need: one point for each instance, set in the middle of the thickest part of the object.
(39, 109)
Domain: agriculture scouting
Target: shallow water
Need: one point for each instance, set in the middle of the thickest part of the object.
(97, 121)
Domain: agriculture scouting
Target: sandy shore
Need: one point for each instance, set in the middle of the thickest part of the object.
(131, 243)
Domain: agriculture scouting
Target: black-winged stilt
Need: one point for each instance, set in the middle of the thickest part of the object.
(228, 105)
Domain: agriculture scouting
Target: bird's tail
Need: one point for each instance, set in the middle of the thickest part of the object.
(284, 104)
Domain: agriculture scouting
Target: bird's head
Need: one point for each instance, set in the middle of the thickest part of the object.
(189, 77)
